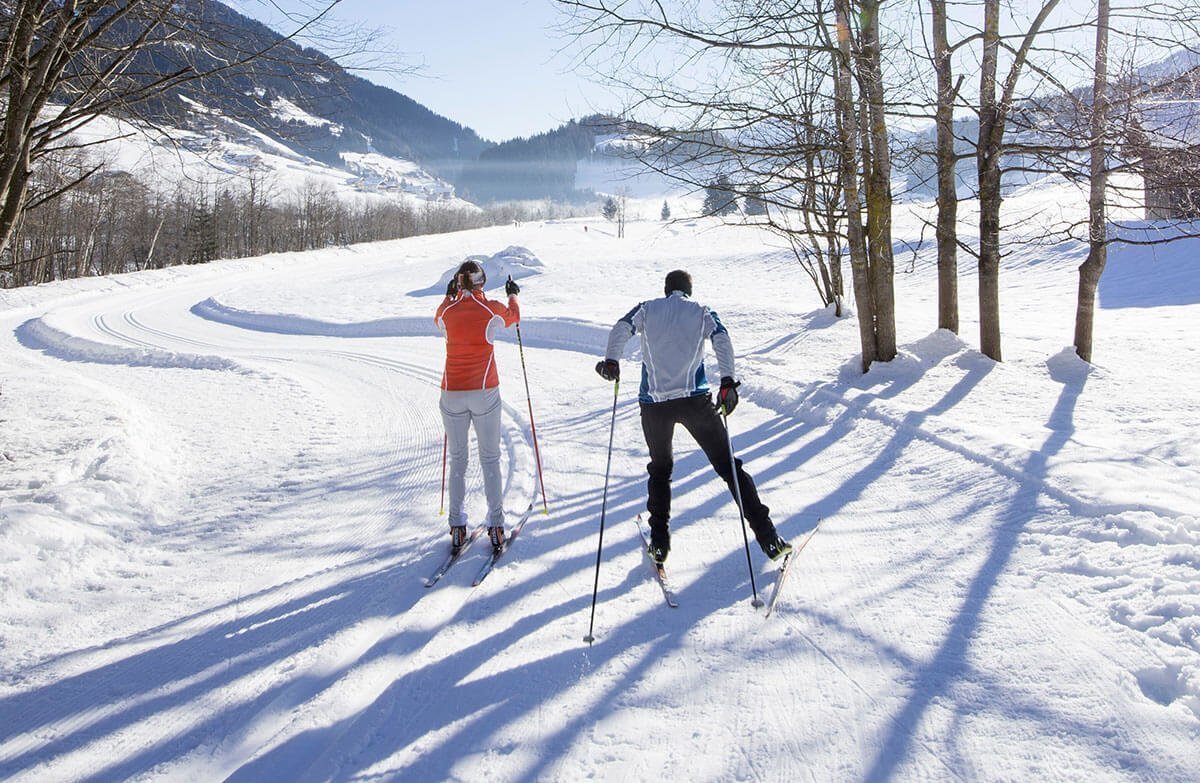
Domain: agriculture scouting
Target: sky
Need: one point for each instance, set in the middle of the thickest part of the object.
(500, 68)
(496, 67)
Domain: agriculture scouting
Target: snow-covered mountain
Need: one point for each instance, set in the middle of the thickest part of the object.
(295, 114)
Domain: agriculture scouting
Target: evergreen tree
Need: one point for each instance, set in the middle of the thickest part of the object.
(666, 212)
(719, 199)
(202, 233)
(610, 209)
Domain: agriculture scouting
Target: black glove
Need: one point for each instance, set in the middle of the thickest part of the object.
(727, 396)
(511, 288)
(609, 369)
(452, 287)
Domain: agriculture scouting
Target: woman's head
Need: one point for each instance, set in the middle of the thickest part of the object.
(470, 276)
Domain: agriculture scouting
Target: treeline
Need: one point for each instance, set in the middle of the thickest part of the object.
(540, 166)
(111, 223)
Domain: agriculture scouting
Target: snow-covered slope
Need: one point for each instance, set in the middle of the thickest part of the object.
(219, 494)
(226, 153)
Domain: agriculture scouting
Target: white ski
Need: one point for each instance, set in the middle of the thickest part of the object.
(660, 573)
(786, 566)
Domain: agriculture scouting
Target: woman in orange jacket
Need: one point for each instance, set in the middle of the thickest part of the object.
(471, 391)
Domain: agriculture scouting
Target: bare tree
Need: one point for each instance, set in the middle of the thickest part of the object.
(756, 95)
(850, 138)
(1093, 267)
(1132, 138)
(64, 63)
(947, 161)
(996, 100)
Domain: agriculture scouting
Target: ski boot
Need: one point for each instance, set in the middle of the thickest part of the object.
(458, 537)
(660, 546)
(777, 548)
(496, 534)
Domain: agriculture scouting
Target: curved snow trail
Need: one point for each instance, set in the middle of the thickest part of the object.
(569, 334)
(283, 632)
(356, 400)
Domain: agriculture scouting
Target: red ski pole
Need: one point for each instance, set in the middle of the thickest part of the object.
(442, 510)
(532, 426)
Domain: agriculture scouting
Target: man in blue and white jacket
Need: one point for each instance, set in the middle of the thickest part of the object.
(674, 390)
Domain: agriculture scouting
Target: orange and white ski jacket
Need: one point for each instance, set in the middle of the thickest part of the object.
(470, 320)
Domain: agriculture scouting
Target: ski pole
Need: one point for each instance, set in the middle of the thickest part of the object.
(737, 493)
(603, 507)
(445, 439)
(532, 426)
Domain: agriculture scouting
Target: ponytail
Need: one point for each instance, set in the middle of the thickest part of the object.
(470, 276)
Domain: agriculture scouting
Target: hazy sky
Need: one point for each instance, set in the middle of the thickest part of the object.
(491, 65)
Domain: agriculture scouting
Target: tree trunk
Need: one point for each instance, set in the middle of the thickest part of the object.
(879, 186)
(947, 195)
(988, 164)
(1093, 267)
(848, 137)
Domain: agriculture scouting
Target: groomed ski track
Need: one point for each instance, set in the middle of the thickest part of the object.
(282, 629)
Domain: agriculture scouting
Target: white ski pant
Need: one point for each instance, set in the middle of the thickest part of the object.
(460, 410)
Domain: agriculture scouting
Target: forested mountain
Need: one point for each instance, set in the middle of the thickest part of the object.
(301, 98)
(537, 167)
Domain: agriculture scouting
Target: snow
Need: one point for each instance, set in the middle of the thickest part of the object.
(228, 152)
(219, 493)
(290, 112)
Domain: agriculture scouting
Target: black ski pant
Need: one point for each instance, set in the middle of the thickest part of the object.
(700, 419)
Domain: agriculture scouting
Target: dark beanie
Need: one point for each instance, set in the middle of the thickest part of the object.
(678, 280)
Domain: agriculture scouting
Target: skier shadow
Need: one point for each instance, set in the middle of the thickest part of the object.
(444, 708)
(446, 711)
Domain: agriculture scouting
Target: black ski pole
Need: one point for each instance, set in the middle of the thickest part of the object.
(603, 508)
(737, 493)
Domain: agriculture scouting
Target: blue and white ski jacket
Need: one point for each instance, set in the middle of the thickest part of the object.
(673, 330)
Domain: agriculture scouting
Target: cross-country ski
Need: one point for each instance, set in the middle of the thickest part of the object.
(453, 556)
(496, 554)
(658, 569)
(786, 567)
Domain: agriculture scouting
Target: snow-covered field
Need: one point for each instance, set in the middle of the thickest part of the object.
(219, 494)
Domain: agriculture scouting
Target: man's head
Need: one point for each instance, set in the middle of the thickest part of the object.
(470, 276)
(678, 280)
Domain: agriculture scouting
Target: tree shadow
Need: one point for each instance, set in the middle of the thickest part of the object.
(950, 662)
(419, 724)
